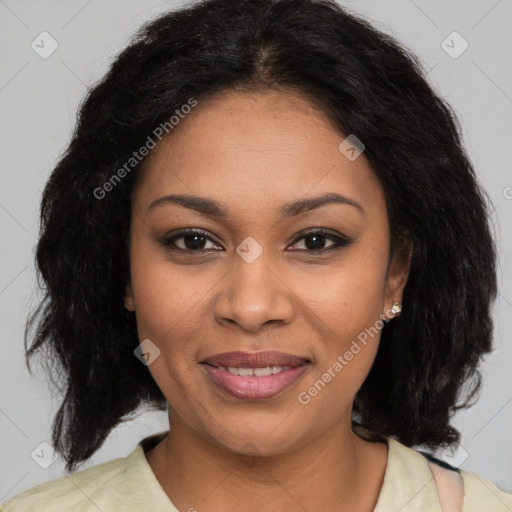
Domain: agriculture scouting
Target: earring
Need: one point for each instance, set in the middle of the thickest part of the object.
(396, 308)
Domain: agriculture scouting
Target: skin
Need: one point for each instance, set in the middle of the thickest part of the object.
(254, 152)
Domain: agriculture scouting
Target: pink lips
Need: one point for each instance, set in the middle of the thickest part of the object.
(253, 387)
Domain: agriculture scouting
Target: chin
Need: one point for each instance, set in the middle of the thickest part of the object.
(250, 438)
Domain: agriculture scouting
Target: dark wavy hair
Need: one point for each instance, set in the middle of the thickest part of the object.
(366, 84)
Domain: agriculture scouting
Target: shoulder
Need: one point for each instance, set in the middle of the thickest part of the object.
(120, 485)
(482, 494)
(479, 492)
(410, 483)
(84, 490)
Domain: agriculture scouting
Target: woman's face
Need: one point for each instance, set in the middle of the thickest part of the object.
(259, 277)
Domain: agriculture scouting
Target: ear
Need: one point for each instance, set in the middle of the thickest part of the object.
(128, 299)
(397, 274)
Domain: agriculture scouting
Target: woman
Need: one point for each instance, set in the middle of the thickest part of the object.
(266, 224)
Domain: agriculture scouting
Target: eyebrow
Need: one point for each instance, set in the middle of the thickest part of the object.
(212, 208)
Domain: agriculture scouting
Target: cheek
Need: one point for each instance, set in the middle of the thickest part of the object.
(166, 295)
(346, 306)
(346, 298)
(168, 304)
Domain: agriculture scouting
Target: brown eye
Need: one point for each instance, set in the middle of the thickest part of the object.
(189, 241)
(315, 241)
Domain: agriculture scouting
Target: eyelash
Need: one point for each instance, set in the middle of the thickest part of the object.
(340, 241)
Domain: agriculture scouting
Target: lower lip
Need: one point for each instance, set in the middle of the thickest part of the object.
(251, 387)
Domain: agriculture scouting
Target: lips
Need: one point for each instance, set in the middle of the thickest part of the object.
(255, 359)
(255, 375)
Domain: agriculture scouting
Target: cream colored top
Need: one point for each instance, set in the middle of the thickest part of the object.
(129, 485)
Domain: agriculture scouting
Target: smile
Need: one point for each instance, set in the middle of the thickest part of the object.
(254, 376)
(257, 372)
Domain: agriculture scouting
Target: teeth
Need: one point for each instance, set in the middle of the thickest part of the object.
(262, 372)
(257, 372)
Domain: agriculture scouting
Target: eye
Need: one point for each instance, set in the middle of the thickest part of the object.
(316, 239)
(191, 240)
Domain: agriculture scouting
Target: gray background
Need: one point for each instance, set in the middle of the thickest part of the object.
(38, 102)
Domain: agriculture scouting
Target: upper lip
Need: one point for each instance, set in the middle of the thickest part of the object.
(255, 359)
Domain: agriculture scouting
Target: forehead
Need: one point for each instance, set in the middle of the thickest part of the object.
(252, 148)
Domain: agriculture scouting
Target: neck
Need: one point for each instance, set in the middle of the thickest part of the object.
(197, 473)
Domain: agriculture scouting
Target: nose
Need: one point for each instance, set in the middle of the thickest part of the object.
(253, 294)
